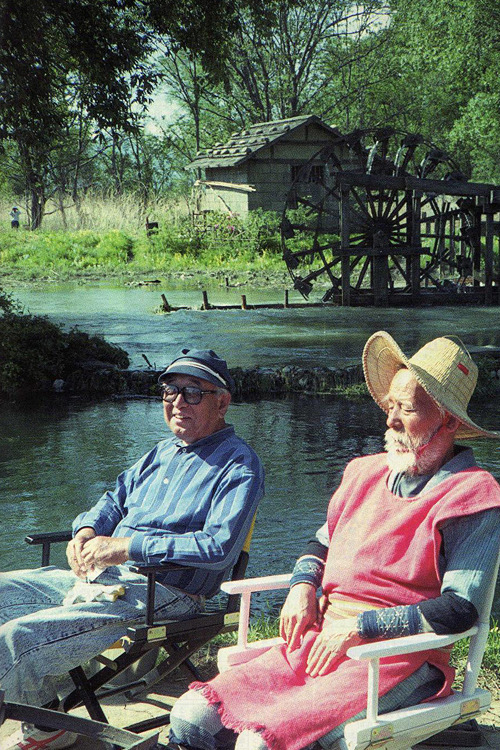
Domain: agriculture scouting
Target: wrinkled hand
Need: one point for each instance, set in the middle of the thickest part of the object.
(300, 612)
(331, 644)
(74, 551)
(102, 551)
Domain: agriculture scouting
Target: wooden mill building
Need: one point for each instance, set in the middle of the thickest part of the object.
(258, 165)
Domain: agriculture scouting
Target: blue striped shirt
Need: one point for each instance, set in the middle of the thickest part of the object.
(190, 504)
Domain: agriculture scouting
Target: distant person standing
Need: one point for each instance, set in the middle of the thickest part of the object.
(14, 216)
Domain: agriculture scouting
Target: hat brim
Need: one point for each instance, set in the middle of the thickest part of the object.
(382, 358)
(195, 372)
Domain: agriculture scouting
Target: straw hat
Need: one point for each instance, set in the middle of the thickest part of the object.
(443, 367)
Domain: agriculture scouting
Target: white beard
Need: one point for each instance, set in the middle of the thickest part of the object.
(403, 455)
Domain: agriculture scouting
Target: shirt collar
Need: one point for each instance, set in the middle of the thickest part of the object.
(408, 486)
(215, 437)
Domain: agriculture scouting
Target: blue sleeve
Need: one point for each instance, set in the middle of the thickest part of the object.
(107, 513)
(310, 566)
(470, 550)
(217, 545)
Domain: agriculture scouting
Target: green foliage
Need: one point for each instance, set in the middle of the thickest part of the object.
(486, 385)
(34, 352)
(66, 251)
(224, 239)
(435, 74)
(489, 675)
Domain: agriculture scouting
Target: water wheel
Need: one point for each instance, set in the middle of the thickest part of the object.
(357, 226)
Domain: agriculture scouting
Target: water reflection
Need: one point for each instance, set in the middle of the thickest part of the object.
(58, 458)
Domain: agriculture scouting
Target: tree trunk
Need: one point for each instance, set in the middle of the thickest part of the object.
(36, 197)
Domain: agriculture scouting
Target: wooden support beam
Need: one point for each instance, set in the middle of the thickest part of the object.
(344, 246)
(387, 182)
(476, 247)
(416, 244)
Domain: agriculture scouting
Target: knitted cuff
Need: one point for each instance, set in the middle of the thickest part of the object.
(390, 622)
(308, 569)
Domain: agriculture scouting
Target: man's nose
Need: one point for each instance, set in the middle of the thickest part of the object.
(393, 418)
(179, 399)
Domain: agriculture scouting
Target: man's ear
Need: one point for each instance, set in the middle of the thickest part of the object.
(224, 401)
(451, 423)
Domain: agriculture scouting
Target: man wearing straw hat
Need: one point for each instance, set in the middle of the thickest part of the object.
(410, 545)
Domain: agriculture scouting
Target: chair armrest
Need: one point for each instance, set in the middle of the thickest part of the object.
(407, 645)
(46, 539)
(49, 536)
(246, 587)
(145, 569)
(150, 571)
(264, 583)
(373, 652)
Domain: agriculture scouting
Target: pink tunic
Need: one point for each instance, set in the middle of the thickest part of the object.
(384, 552)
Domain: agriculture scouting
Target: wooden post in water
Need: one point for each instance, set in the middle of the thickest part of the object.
(165, 306)
(244, 302)
(204, 304)
(285, 303)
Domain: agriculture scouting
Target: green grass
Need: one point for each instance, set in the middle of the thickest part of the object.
(489, 677)
(108, 237)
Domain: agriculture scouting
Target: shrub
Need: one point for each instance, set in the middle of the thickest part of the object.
(34, 352)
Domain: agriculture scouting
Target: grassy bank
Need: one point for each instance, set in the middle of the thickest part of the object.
(266, 627)
(224, 245)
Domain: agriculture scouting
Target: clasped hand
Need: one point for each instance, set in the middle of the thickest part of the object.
(87, 551)
(302, 611)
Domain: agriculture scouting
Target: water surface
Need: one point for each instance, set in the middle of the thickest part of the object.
(58, 457)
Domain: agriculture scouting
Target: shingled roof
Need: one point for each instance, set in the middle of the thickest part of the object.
(244, 144)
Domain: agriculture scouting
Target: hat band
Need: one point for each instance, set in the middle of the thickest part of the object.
(199, 366)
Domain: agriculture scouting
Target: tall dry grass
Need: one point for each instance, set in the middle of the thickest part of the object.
(100, 213)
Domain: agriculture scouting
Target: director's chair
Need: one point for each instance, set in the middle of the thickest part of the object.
(180, 639)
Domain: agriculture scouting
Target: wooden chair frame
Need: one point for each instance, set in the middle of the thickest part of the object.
(95, 730)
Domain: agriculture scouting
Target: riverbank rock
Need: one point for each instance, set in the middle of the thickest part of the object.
(250, 382)
(106, 380)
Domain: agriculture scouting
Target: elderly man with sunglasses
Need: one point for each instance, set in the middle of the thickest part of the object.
(190, 500)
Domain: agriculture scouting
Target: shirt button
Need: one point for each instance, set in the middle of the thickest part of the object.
(166, 481)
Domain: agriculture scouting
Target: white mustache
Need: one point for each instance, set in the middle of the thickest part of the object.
(393, 439)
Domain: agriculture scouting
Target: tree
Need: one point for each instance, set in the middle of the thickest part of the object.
(58, 55)
(444, 61)
(289, 69)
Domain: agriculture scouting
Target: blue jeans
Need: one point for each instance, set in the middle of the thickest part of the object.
(41, 639)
